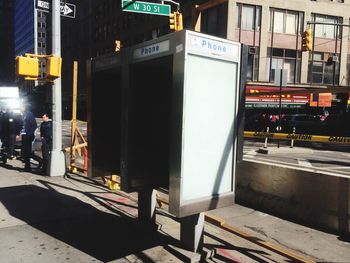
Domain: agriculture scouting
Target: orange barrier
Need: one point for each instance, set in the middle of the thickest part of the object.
(85, 160)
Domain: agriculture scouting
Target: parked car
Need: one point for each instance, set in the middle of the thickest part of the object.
(336, 125)
(303, 123)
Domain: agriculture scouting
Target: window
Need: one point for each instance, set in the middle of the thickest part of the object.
(214, 21)
(284, 59)
(327, 31)
(249, 17)
(286, 21)
(321, 71)
(41, 34)
(253, 63)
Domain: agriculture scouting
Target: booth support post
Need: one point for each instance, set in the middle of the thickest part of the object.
(147, 207)
(191, 232)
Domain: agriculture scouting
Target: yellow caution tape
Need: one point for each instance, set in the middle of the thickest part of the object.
(298, 137)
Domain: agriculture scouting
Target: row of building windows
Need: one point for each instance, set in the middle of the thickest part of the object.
(290, 22)
(320, 70)
(286, 21)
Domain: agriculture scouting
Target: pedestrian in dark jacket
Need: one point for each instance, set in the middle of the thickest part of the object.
(46, 139)
(28, 136)
(11, 124)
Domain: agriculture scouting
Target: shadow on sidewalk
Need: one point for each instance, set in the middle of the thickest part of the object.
(102, 235)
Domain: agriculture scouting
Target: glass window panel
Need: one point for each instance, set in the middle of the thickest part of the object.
(278, 22)
(250, 67)
(328, 78)
(336, 73)
(289, 64)
(238, 18)
(273, 72)
(269, 52)
(301, 22)
(247, 17)
(257, 19)
(291, 53)
(277, 63)
(329, 31)
(298, 70)
(277, 52)
(318, 56)
(267, 68)
(317, 67)
(291, 23)
(316, 78)
(319, 28)
(256, 66)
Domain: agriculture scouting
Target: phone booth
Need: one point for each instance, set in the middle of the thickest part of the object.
(177, 102)
(180, 123)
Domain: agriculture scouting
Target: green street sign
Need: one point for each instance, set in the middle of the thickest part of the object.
(146, 8)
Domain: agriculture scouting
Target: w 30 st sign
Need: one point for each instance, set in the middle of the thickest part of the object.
(145, 8)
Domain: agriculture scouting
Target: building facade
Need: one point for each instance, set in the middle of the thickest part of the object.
(7, 62)
(273, 30)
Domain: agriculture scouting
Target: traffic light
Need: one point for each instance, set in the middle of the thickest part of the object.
(175, 21)
(179, 21)
(307, 40)
(118, 45)
(172, 21)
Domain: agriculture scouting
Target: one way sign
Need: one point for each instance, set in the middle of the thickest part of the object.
(67, 9)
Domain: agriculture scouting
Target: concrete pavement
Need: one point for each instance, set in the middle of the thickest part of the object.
(76, 219)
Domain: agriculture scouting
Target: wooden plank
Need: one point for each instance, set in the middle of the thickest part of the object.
(74, 108)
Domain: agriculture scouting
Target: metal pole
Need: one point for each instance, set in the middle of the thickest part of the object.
(292, 141)
(312, 54)
(57, 164)
(280, 105)
(267, 131)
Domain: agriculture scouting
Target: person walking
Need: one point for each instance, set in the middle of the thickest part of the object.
(28, 136)
(46, 139)
(10, 128)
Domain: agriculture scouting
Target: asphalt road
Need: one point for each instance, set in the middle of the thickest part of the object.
(319, 157)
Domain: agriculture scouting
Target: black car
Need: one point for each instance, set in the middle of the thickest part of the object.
(303, 123)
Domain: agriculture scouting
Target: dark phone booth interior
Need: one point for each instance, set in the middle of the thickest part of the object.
(104, 118)
(149, 122)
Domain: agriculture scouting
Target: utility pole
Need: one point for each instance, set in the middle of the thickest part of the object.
(57, 163)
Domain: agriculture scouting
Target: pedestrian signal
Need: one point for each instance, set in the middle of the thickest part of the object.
(307, 40)
(54, 65)
(27, 66)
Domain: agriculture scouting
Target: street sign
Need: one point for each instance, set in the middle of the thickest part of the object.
(67, 9)
(146, 8)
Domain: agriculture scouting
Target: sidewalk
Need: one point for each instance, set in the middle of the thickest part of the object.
(75, 219)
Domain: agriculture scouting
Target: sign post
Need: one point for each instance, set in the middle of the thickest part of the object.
(281, 79)
(57, 162)
(66, 9)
